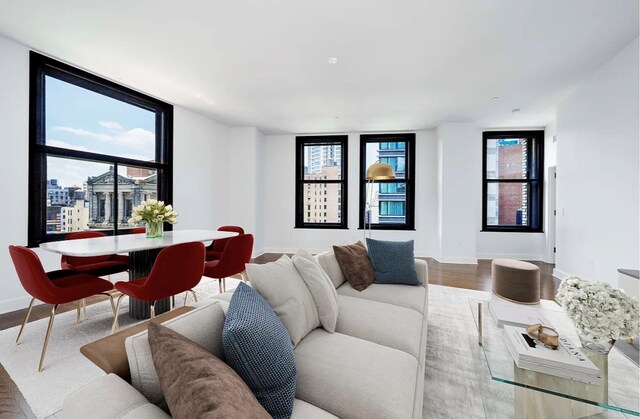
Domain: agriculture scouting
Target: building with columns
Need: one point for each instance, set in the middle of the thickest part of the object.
(131, 191)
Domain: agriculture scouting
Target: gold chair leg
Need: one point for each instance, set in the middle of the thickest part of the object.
(186, 295)
(84, 308)
(46, 338)
(243, 275)
(153, 310)
(26, 319)
(116, 325)
(195, 297)
(224, 284)
(113, 306)
(78, 308)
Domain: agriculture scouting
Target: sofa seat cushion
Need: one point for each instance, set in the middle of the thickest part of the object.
(304, 410)
(386, 324)
(353, 378)
(408, 296)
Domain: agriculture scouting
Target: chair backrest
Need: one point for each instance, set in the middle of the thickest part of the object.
(138, 230)
(67, 262)
(177, 268)
(218, 245)
(236, 254)
(32, 276)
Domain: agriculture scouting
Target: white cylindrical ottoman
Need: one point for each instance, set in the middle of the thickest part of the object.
(516, 281)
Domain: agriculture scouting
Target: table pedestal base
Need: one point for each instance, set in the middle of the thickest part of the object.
(140, 264)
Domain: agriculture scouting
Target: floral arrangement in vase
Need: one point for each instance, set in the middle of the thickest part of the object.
(154, 214)
(601, 314)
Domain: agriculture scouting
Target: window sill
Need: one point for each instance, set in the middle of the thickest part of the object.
(506, 230)
(388, 229)
(321, 227)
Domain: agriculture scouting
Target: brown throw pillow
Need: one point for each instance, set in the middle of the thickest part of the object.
(196, 383)
(355, 265)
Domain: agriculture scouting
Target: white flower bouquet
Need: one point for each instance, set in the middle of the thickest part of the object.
(599, 312)
(153, 211)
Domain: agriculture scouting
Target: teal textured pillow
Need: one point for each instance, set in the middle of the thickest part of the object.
(393, 262)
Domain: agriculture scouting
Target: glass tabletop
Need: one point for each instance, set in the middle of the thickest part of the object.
(620, 386)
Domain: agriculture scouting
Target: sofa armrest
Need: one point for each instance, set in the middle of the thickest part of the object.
(109, 397)
(423, 271)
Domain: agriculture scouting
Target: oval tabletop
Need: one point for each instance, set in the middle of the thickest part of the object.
(99, 246)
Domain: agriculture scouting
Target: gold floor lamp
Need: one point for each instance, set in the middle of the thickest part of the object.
(377, 171)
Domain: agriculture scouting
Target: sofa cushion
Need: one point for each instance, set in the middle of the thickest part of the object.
(393, 262)
(202, 325)
(195, 382)
(355, 379)
(321, 288)
(330, 265)
(281, 285)
(355, 265)
(400, 295)
(258, 347)
(386, 324)
(304, 410)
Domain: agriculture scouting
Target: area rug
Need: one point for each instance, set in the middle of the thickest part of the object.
(65, 368)
(457, 381)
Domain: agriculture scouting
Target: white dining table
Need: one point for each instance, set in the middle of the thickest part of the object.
(142, 254)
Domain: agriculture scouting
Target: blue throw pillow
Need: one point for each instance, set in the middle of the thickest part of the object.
(258, 347)
(393, 262)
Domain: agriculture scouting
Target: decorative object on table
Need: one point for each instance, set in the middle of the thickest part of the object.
(195, 382)
(154, 214)
(257, 346)
(545, 334)
(393, 262)
(601, 314)
(377, 171)
(504, 312)
(566, 362)
(355, 265)
(516, 281)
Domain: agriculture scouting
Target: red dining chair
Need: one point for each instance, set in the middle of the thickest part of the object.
(214, 250)
(177, 269)
(236, 254)
(59, 288)
(94, 265)
(138, 230)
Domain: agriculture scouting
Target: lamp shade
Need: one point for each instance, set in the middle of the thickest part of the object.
(380, 171)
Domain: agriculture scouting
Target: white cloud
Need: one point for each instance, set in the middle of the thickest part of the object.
(137, 137)
(84, 133)
(111, 125)
(62, 144)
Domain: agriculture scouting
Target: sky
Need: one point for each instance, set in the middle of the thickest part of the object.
(80, 119)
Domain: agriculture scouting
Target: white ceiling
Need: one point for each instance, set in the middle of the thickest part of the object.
(402, 64)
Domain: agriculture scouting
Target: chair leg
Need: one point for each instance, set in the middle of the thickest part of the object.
(195, 297)
(78, 308)
(186, 295)
(153, 310)
(224, 284)
(243, 275)
(173, 302)
(26, 319)
(46, 338)
(84, 308)
(113, 306)
(116, 325)
(220, 285)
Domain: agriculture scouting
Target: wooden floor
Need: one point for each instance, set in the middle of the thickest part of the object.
(475, 277)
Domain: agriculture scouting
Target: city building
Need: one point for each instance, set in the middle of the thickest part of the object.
(323, 200)
(324, 155)
(74, 218)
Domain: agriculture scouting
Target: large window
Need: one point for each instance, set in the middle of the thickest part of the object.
(321, 182)
(97, 149)
(391, 201)
(513, 172)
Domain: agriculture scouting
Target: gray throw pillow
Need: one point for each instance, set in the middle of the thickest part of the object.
(393, 262)
(196, 383)
(355, 265)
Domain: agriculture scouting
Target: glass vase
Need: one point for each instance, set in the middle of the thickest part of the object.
(602, 348)
(154, 229)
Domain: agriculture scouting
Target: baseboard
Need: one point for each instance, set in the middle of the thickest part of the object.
(258, 253)
(457, 260)
(518, 256)
(290, 250)
(557, 273)
(14, 304)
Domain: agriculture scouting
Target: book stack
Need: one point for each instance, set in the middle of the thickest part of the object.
(567, 361)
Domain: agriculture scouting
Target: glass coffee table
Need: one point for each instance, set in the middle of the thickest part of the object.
(538, 395)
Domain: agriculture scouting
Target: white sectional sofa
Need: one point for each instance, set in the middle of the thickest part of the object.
(371, 367)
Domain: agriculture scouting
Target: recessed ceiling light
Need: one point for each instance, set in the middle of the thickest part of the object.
(515, 110)
(336, 117)
(495, 97)
(333, 60)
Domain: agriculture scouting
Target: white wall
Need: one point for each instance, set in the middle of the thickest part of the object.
(597, 184)
(201, 170)
(279, 209)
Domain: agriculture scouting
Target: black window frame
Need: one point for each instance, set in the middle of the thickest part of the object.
(301, 143)
(41, 66)
(535, 164)
(409, 180)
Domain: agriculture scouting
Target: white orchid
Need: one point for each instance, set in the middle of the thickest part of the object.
(152, 211)
(599, 311)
